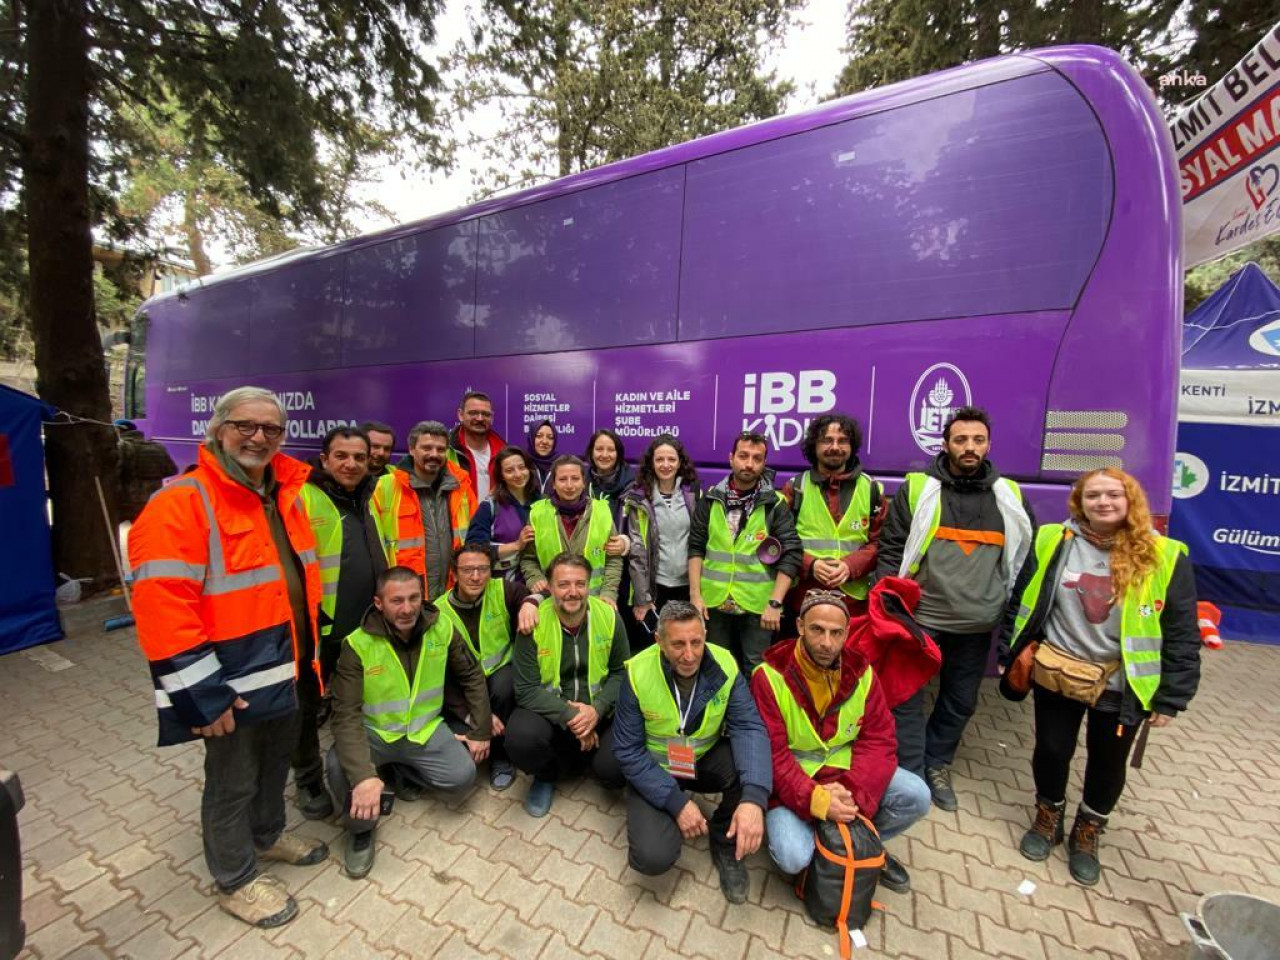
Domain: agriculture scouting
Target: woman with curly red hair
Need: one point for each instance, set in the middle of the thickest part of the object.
(1106, 628)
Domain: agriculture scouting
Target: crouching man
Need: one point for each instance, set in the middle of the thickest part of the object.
(388, 693)
(686, 723)
(831, 736)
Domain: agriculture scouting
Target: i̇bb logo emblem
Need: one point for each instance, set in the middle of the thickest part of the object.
(940, 390)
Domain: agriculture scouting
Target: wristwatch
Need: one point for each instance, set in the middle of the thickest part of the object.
(775, 604)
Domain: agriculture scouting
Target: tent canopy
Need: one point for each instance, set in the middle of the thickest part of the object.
(1237, 328)
(27, 612)
(1226, 483)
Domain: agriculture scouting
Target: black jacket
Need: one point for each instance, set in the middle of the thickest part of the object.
(1179, 629)
(778, 519)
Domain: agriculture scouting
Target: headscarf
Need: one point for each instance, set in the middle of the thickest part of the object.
(543, 464)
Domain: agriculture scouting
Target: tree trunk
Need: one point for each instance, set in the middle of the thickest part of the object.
(195, 238)
(987, 36)
(71, 372)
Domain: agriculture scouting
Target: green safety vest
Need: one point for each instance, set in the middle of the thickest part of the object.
(495, 627)
(326, 524)
(730, 568)
(1017, 525)
(548, 638)
(393, 708)
(1141, 639)
(810, 750)
(547, 541)
(823, 537)
(659, 708)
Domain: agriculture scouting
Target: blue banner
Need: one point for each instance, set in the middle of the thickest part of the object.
(1226, 508)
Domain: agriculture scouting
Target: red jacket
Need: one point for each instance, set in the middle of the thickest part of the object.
(875, 752)
(902, 655)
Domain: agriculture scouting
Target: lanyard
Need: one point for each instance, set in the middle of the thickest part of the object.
(684, 713)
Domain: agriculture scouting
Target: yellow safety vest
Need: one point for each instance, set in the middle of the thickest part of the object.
(659, 709)
(494, 652)
(548, 637)
(549, 543)
(823, 537)
(810, 750)
(394, 708)
(730, 568)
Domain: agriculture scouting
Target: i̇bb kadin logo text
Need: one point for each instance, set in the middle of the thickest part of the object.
(780, 404)
(941, 390)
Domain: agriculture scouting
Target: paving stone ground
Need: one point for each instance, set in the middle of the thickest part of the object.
(113, 864)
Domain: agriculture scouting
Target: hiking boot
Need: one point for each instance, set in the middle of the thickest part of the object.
(314, 801)
(299, 851)
(894, 876)
(1046, 832)
(357, 859)
(734, 882)
(939, 780)
(502, 774)
(1082, 846)
(262, 902)
(537, 802)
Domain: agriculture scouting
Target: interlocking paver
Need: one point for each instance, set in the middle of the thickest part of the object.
(114, 864)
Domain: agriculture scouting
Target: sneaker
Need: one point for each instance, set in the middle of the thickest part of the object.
(299, 851)
(537, 802)
(502, 774)
(1083, 847)
(1045, 833)
(939, 780)
(357, 859)
(894, 875)
(734, 882)
(263, 902)
(314, 801)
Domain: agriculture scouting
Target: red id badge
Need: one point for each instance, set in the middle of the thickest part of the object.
(681, 761)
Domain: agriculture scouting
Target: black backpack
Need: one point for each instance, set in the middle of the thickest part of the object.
(839, 886)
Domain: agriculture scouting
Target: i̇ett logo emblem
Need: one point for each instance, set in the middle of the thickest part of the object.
(940, 390)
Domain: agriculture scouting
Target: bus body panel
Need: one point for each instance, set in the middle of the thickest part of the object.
(949, 240)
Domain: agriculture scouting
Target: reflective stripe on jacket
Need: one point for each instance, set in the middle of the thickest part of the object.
(494, 651)
(1141, 638)
(393, 708)
(810, 750)
(658, 705)
(549, 639)
(326, 525)
(823, 537)
(211, 598)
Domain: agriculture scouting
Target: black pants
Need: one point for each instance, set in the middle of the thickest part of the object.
(740, 634)
(933, 743)
(502, 701)
(1107, 745)
(308, 766)
(243, 803)
(548, 752)
(654, 840)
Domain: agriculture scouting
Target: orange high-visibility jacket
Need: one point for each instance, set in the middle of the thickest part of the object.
(408, 511)
(211, 600)
(393, 496)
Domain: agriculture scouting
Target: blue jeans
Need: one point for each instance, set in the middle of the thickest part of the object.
(791, 839)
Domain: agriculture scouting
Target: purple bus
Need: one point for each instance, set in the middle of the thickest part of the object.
(1005, 233)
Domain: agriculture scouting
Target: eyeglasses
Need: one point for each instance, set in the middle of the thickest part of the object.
(472, 571)
(247, 428)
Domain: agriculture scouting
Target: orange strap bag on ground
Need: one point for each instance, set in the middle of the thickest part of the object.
(838, 888)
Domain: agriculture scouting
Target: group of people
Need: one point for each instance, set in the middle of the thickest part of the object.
(479, 602)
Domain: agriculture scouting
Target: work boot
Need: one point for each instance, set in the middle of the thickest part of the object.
(1082, 846)
(537, 802)
(262, 902)
(357, 859)
(939, 780)
(1046, 832)
(299, 851)
(314, 801)
(734, 882)
(894, 875)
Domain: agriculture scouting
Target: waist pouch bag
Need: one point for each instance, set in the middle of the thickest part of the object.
(839, 885)
(1083, 680)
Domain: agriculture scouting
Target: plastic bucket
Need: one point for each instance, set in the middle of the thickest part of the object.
(1234, 926)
